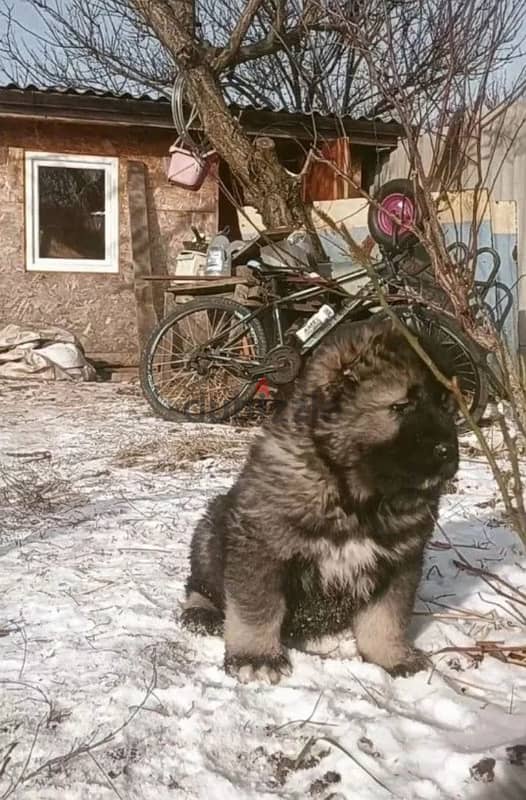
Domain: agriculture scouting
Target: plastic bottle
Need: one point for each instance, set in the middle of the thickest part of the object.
(320, 318)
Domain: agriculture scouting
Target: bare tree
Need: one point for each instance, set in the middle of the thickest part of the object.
(454, 134)
(448, 116)
(303, 54)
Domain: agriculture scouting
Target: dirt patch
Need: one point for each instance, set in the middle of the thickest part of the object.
(320, 785)
(283, 766)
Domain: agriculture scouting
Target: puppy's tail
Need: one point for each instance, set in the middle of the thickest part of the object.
(201, 616)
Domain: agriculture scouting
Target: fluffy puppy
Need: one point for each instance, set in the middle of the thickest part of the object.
(325, 528)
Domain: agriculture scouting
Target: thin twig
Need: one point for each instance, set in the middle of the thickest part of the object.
(302, 722)
(466, 563)
(492, 576)
(105, 775)
(21, 777)
(7, 757)
(86, 748)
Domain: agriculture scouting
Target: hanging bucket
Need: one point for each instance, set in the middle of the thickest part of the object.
(186, 168)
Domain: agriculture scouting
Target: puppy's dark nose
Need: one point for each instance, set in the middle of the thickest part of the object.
(445, 452)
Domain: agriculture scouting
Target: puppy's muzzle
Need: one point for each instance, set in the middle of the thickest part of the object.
(446, 456)
(445, 452)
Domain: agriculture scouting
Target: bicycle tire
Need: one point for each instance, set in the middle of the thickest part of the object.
(396, 188)
(441, 329)
(161, 405)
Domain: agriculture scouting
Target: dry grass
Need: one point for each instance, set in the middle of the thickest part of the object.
(184, 450)
(27, 493)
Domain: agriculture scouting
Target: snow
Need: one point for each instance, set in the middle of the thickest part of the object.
(103, 694)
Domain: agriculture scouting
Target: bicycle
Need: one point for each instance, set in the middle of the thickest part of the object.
(204, 361)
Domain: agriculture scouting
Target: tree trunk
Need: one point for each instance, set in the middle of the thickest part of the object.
(266, 184)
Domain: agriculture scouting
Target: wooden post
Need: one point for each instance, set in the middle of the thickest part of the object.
(140, 244)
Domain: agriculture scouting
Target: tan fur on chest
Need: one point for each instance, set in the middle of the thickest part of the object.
(351, 565)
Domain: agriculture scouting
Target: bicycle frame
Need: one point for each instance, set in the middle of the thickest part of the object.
(308, 293)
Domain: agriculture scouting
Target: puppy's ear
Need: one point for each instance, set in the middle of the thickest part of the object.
(362, 346)
(340, 361)
(334, 369)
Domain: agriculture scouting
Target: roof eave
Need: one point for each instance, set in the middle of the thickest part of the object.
(146, 113)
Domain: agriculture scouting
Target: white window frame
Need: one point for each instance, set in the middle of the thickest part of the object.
(34, 160)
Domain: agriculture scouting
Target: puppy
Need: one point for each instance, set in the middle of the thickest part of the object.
(324, 530)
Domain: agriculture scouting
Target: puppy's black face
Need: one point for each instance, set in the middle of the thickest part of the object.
(422, 451)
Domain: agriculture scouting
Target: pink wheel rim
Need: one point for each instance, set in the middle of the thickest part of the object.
(396, 207)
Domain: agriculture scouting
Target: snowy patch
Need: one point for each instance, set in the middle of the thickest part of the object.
(103, 694)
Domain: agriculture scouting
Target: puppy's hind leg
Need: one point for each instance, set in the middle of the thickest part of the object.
(201, 616)
(203, 608)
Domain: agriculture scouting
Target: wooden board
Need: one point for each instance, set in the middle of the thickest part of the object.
(327, 178)
(141, 255)
(198, 281)
(199, 288)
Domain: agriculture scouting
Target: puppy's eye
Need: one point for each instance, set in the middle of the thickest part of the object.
(403, 406)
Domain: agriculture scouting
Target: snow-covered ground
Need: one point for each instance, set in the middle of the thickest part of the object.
(102, 694)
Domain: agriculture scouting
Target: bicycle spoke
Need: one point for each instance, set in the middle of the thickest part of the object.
(182, 351)
(462, 366)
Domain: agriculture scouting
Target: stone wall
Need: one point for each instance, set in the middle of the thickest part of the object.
(99, 308)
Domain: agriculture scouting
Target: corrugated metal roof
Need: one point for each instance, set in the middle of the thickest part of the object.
(164, 99)
(85, 92)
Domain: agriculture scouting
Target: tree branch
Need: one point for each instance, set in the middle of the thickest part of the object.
(228, 55)
(277, 38)
(272, 43)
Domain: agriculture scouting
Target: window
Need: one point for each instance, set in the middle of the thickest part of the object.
(72, 213)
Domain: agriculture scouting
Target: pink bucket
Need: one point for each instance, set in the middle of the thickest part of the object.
(187, 169)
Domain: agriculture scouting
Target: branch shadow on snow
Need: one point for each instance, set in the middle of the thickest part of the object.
(450, 580)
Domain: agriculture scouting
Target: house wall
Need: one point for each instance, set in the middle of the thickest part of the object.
(99, 308)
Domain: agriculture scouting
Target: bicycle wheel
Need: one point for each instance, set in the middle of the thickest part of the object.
(462, 357)
(192, 363)
(392, 215)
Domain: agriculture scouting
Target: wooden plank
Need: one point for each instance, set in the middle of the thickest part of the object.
(140, 243)
(199, 289)
(325, 179)
(198, 280)
(307, 307)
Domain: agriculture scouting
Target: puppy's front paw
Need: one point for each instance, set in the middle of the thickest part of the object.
(416, 661)
(266, 669)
